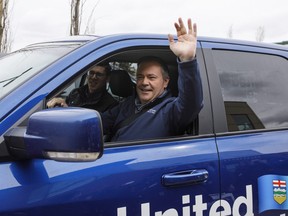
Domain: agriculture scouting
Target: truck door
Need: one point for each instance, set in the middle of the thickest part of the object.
(172, 176)
(249, 98)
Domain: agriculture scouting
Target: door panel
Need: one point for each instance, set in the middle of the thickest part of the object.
(248, 99)
(125, 181)
(244, 160)
(128, 179)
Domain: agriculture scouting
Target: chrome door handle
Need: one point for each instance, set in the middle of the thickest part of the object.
(185, 177)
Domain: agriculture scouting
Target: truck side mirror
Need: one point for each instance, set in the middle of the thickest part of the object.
(62, 134)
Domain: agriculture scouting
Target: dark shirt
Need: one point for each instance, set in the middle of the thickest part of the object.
(100, 101)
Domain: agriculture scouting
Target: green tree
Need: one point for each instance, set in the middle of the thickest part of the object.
(283, 43)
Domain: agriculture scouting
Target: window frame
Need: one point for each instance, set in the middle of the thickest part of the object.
(218, 107)
(205, 118)
(77, 68)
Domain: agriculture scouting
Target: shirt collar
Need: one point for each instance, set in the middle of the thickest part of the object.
(139, 106)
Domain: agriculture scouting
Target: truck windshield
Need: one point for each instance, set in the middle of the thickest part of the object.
(19, 66)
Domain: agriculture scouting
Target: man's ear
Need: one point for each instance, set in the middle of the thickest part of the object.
(166, 82)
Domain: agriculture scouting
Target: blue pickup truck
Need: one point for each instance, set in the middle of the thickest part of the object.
(233, 160)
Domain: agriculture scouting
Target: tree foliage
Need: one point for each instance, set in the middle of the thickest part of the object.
(283, 43)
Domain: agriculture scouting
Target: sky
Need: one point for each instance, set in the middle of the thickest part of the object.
(34, 21)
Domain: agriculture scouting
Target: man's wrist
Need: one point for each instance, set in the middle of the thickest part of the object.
(186, 60)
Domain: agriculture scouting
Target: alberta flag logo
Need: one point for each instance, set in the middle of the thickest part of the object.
(279, 191)
(272, 193)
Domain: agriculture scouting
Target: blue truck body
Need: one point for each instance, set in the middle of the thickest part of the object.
(216, 171)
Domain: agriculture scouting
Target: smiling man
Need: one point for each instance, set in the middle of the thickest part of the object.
(93, 95)
(153, 113)
(152, 79)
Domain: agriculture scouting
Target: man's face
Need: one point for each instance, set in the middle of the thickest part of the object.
(150, 81)
(97, 78)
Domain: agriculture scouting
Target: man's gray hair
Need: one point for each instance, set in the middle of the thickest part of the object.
(165, 71)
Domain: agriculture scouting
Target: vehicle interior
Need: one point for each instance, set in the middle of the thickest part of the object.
(122, 79)
(122, 84)
(123, 76)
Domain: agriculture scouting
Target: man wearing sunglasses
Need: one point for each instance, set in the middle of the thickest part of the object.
(93, 95)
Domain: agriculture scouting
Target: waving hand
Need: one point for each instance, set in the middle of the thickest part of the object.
(185, 47)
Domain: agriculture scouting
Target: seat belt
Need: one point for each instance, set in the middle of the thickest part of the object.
(130, 119)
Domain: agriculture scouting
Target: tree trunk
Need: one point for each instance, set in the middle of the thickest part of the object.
(1, 23)
(75, 17)
(4, 26)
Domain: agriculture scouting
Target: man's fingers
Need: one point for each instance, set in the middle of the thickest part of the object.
(182, 26)
(190, 29)
(181, 30)
(181, 22)
(195, 30)
(170, 38)
(50, 104)
(56, 101)
(178, 29)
